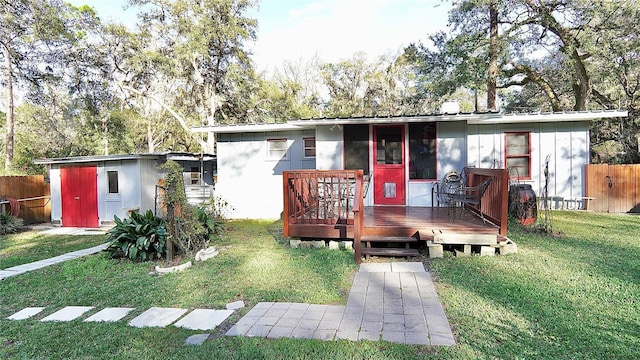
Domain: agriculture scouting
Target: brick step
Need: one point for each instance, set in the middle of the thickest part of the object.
(390, 252)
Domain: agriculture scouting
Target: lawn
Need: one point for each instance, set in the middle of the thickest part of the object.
(571, 296)
(30, 246)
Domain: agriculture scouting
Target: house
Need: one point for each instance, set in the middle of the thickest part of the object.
(403, 155)
(87, 191)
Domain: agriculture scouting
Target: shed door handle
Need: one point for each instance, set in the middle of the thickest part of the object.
(77, 197)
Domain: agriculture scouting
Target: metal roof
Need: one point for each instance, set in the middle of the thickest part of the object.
(100, 158)
(470, 118)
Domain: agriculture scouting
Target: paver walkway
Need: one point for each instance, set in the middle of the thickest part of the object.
(21, 269)
(396, 302)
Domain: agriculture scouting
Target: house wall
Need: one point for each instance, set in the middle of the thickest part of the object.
(248, 180)
(329, 147)
(56, 196)
(566, 144)
(451, 155)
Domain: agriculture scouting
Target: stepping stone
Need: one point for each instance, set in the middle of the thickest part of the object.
(203, 319)
(375, 267)
(157, 317)
(109, 314)
(68, 313)
(197, 339)
(25, 313)
(407, 267)
(235, 305)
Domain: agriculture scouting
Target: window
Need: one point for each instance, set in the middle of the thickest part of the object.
(276, 149)
(518, 153)
(356, 147)
(309, 147)
(422, 151)
(112, 177)
(194, 176)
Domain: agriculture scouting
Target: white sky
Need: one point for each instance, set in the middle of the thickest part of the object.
(331, 29)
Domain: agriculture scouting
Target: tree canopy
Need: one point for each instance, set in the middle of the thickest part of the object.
(75, 85)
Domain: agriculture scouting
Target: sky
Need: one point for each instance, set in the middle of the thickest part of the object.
(332, 30)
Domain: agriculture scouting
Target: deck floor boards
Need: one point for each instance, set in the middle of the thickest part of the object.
(387, 220)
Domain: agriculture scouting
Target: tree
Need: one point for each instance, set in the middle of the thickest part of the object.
(37, 38)
(552, 55)
(200, 46)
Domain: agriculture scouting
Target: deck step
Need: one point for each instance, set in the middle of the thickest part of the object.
(388, 239)
(390, 252)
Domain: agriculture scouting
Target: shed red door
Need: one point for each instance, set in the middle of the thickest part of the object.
(79, 192)
(388, 165)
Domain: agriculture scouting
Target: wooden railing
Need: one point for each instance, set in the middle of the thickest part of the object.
(495, 201)
(320, 197)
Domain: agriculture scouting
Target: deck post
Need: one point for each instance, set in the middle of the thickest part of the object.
(358, 214)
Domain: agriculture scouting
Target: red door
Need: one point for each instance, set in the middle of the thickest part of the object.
(388, 167)
(79, 188)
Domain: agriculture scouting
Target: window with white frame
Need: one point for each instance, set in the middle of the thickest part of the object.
(309, 147)
(518, 154)
(277, 149)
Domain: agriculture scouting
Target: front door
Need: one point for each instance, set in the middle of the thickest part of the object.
(79, 193)
(388, 165)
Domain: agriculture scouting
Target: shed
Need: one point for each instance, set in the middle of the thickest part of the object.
(87, 191)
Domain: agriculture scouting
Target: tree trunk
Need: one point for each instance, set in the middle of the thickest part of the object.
(493, 56)
(8, 162)
(582, 88)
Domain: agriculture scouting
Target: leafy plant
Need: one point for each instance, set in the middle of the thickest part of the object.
(141, 236)
(9, 224)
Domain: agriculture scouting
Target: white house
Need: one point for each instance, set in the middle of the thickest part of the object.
(87, 191)
(405, 155)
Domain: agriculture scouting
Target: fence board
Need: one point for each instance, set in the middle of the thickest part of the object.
(23, 188)
(616, 188)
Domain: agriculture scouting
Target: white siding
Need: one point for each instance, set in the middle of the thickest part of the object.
(250, 182)
(329, 147)
(565, 143)
(56, 195)
(452, 147)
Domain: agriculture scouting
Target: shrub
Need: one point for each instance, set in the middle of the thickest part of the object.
(9, 224)
(141, 236)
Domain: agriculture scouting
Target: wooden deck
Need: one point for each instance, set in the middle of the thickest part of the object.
(406, 221)
(328, 204)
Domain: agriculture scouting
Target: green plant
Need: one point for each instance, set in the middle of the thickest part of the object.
(9, 224)
(214, 225)
(141, 236)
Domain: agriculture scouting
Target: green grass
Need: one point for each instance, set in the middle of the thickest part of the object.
(571, 297)
(29, 246)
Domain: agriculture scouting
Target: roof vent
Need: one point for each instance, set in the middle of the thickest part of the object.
(450, 107)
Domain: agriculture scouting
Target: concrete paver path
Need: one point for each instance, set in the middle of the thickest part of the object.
(396, 302)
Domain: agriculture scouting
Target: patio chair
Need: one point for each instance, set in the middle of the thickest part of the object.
(449, 183)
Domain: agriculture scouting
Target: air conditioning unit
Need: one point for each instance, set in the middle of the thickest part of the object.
(450, 107)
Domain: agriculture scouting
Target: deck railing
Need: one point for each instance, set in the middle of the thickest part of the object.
(496, 199)
(320, 197)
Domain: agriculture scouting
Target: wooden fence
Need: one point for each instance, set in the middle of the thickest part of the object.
(32, 195)
(613, 188)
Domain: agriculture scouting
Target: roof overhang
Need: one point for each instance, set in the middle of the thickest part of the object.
(469, 118)
(549, 117)
(243, 128)
(101, 158)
